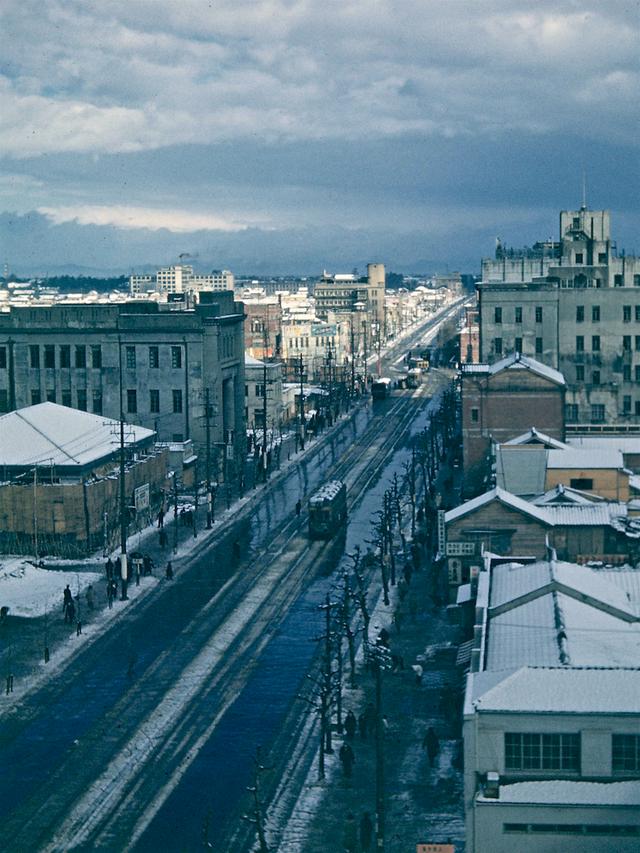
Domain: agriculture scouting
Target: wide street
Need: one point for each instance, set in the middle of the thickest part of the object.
(145, 739)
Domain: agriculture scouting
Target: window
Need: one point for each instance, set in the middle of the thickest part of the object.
(81, 356)
(626, 313)
(154, 357)
(618, 280)
(475, 415)
(626, 405)
(132, 400)
(246, 390)
(154, 400)
(518, 314)
(176, 357)
(177, 400)
(637, 343)
(4, 400)
(595, 343)
(579, 343)
(571, 413)
(579, 257)
(177, 436)
(36, 396)
(542, 751)
(636, 280)
(497, 315)
(626, 343)
(538, 346)
(66, 398)
(497, 346)
(602, 257)
(637, 372)
(49, 355)
(580, 373)
(625, 753)
(576, 222)
(579, 313)
(82, 399)
(626, 373)
(130, 358)
(597, 413)
(65, 356)
(97, 401)
(3, 358)
(595, 377)
(51, 395)
(595, 313)
(619, 830)
(538, 314)
(34, 355)
(96, 356)
(259, 390)
(518, 345)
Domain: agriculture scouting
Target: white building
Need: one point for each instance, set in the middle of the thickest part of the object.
(262, 378)
(180, 279)
(552, 710)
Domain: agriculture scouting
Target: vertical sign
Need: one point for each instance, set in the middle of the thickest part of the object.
(441, 532)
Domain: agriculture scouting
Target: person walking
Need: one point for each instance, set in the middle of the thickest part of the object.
(298, 507)
(350, 834)
(89, 595)
(431, 743)
(362, 725)
(347, 759)
(366, 832)
(109, 594)
(108, 567)
(350, 725)
(161, 517)
(169, 571)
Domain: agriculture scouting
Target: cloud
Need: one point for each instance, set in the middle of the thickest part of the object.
(126, 76)
(122, 216)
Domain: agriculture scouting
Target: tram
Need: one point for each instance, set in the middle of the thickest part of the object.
(327, 510)
(381, 388)
(414, 378)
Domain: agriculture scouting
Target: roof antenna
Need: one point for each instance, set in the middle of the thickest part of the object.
(584, 190)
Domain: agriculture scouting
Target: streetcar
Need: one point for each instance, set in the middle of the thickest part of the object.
(414, 378)
(381, 388)
(327, 510)
(421, 364)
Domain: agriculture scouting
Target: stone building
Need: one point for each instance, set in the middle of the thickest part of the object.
(502, 400)
(155, 362)
(574, 305)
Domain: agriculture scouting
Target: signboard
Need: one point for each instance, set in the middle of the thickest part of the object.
(318, 329)
(461, 549)
(229, 451)
(141, 497)
(441, 531)
(435, 848)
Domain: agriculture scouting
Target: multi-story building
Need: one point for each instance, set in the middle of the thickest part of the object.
(574, 305)
(262, 393)
(180, 279)
(156, 363)
(263, 326)
(348, 294)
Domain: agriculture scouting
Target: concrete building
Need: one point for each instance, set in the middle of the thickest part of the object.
(257, 391)
(156, 361)
(502, 400)
(574, 305)
(348, 294)
(552, 710)
(180, 279)
(59, 487)
(263, 326)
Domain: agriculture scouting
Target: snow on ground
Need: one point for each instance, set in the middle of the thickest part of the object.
(30, 591)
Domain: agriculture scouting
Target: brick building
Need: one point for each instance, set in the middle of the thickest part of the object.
(502, 400)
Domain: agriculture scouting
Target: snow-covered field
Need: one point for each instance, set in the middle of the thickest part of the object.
(29, 591)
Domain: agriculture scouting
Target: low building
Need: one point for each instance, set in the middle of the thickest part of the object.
(262, 393)
(59, 488)
(552, 710)
(502, 400)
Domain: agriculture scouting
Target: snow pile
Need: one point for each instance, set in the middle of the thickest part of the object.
(29, 591)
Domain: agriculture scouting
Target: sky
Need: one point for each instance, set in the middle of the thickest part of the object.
(292, 136)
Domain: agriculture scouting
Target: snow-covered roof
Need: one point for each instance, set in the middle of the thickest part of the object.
(516, 361)
(506, 498)
(49, 434)
(534, 436)
(566, 792)
(624, 443)
(565, 495)
(327, 492)
(568, 690)
(587, 515)
(585, 459)
(250, 361)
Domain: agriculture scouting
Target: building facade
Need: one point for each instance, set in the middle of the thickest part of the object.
(155, 363)
(180, 279)
(349, 294)
(574, 305)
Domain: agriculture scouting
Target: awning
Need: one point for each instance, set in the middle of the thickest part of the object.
(463, 658)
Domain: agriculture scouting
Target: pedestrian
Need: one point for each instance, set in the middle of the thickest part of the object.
(109, 568)
(109, 595)
(350, 834)
(431, 743)
(347, 759)
(78, 628)
(114, 588)
(71, 613)
(169, 571)
(89, 594)
(163, 538)
(362, 726)
(350, 725)
(402, 590)
(161, 517)
(298, 507)
(366, 832)
(67, 597)
(384, 637)
(147, 562)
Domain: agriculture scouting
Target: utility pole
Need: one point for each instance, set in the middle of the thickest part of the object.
(207, 421)
(301, 368)
(35, 513)
(353, 363)
(175, 513)
(264, 415)
(364, 330)
(124, 574)
(330, 387)
(380, 659)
